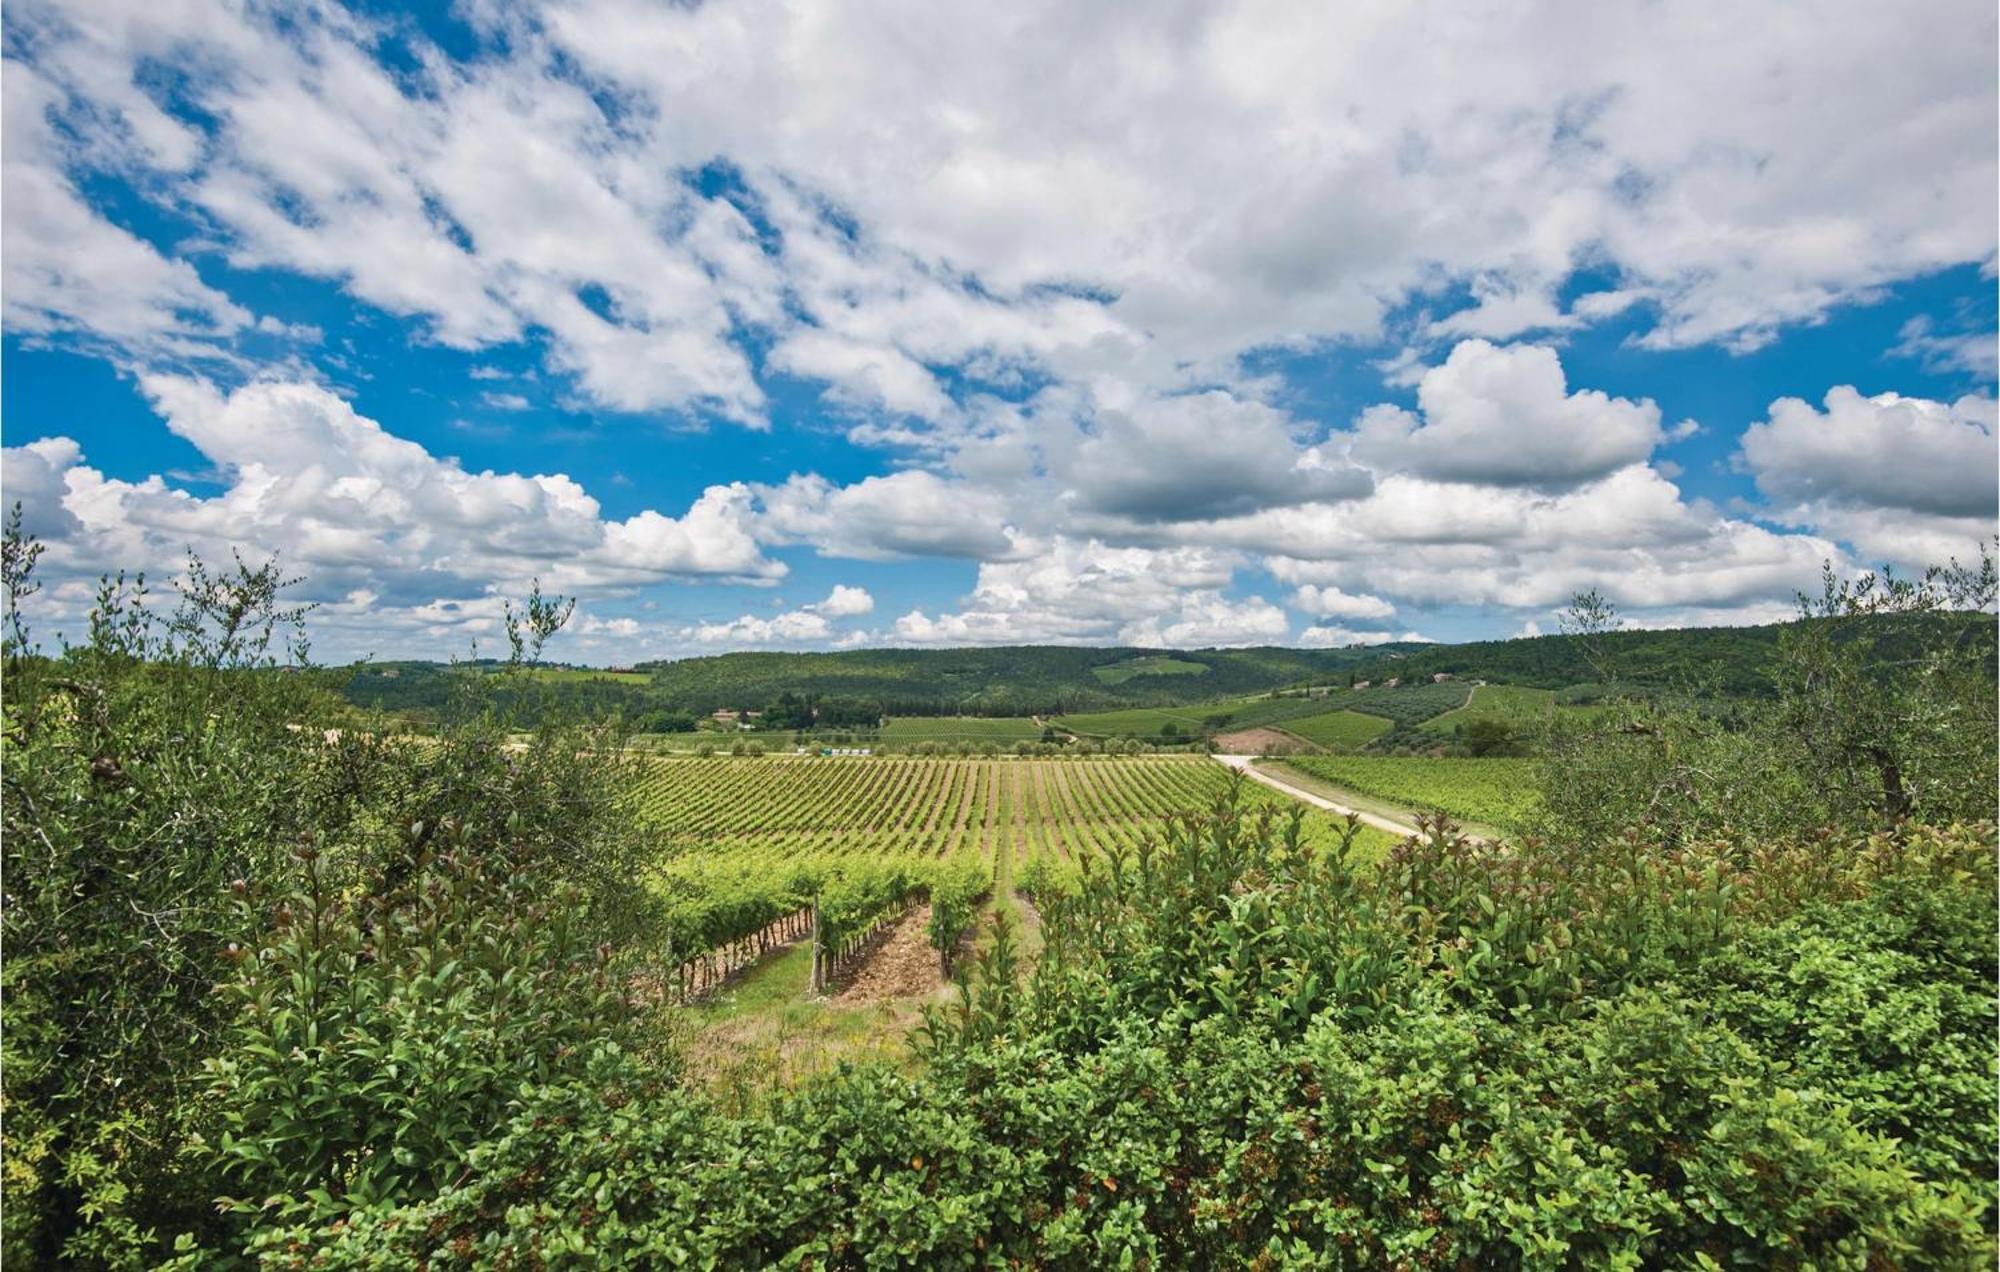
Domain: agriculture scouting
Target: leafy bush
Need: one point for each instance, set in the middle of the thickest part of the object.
(1236, 1050)
(379, 1037)
(163, 771)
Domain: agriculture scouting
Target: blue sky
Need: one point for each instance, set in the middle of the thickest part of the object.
(757, 327)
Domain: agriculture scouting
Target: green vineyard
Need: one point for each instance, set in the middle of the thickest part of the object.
(752, 840)
(1501, 793)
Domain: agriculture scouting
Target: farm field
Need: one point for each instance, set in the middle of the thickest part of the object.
(1152, 665)
(1405, 704)
(753, 839)
(1497, 793)
(1141, 722)
(1509, 704)
(1518, 707)
(1229, 715)
(1001, 729)
(1340, 730)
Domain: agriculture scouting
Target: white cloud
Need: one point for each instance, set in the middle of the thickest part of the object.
(70, 271)
(1199, 456)
(1208, 619)
(1886, 451)
(1426, 544)
(1907, 481)
(844, 602)
(866, 375)
(1974, 352)
(1084, 592)
(794, 627)
(1331, 602)
(1238, 177)
(1504, 416)
(1033, 295)
(373, 523)
(1342, 637)
(911, 513)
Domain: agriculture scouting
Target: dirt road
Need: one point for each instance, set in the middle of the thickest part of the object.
(1242, 764)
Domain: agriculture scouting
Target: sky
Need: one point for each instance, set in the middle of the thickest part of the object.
(771, 325)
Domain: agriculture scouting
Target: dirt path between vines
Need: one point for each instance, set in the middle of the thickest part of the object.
(903, 966)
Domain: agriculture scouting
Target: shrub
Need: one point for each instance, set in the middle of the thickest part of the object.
(379, 1037)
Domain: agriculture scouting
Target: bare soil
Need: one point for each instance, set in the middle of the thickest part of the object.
(1262, 742)
(903, 966)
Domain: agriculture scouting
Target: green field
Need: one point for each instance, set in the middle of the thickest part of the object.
(1140, 722)
(1152, 665)
(1339, 730)
(1498, 793)
(1002, 729)
(1511, 705)
(1192, 721)
(785, 810)
(752, 839)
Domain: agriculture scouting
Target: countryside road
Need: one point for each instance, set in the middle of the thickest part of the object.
(1243, 765)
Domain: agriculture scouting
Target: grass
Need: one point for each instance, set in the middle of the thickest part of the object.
(1339, 730)
(1521, 708)
(1151, 665)
(1509, 704)
(1141, 722)
(960, 729)
(1482, 793)
(763, 1033)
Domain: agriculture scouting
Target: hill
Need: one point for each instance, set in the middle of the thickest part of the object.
(1023, 680)
(1720, 662)
(1010, 680)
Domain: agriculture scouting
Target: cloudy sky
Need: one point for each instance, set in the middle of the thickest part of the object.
(809, 325)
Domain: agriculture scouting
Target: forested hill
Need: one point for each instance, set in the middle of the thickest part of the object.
(1012, 680)
(1728, 662)
(1725, 662)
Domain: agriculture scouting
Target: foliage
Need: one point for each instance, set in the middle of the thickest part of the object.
(1117, 673)
(960, 728)
(1339, 730)
(1238, 1051)
(1736, 1009)
(146, 773)
(1490, 791)
(380, 1034)
(1882, 713)
(1016, 682)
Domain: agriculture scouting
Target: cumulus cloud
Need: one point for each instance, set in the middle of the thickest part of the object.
(369, 519)
(1904, 480)
(1034, 297)
(1344, 637)
(1256, 177)
(1886, 451)
(1083, 592)
(1974, 352)
(844, 602)
(69, 271)
(1506, 417)
(1200, 456)
(1331, 602)
(1432, 544)
(910, 513)
(793, 627)
(1209, 619)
